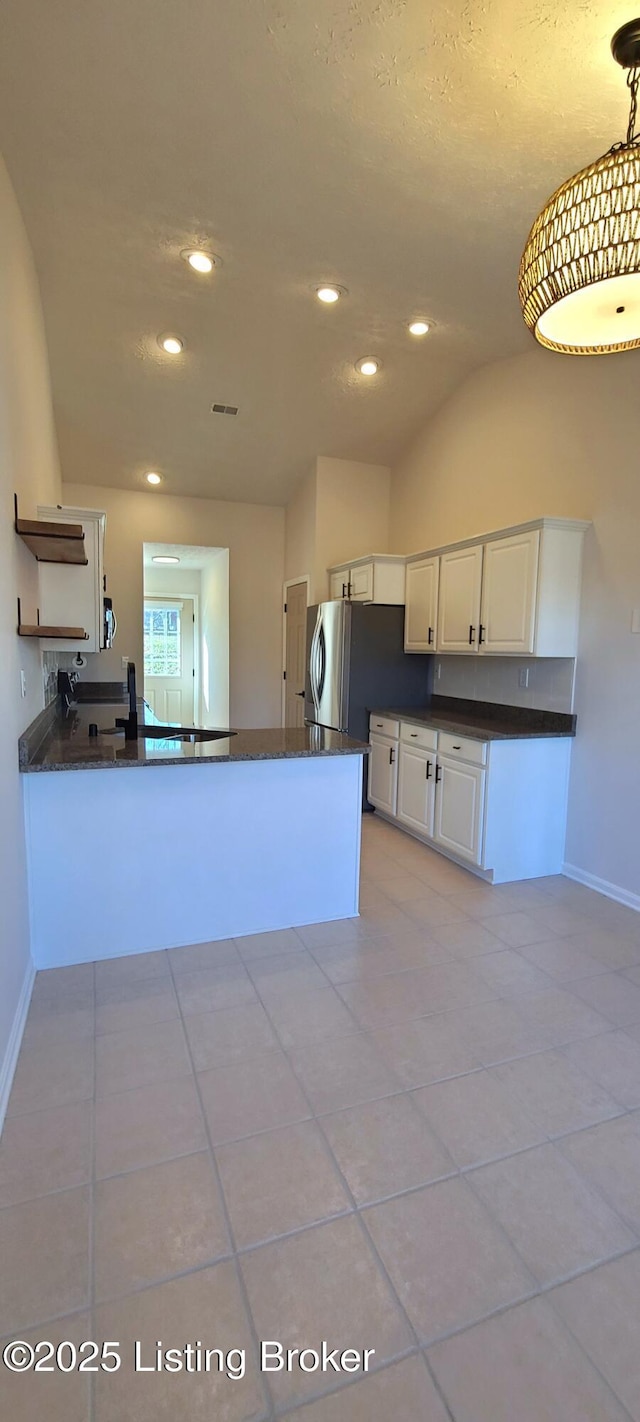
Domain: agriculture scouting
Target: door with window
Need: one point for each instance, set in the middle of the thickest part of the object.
(169, 669)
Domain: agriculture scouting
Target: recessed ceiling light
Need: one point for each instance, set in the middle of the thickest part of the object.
(198, 259)
(369, 365)
(330, 294)
(173, 345)
(164, 558)
(153, 478)
(419, 328)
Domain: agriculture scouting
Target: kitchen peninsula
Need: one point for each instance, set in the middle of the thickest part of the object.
(189, 842)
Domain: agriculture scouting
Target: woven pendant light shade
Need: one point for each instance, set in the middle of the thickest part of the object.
(579, 281)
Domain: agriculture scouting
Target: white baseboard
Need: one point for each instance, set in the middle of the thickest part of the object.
(8, 1065)
(602, 886)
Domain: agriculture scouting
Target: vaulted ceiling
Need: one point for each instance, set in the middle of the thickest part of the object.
(399, 148)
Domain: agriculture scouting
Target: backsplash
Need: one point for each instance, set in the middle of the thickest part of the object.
(52, 663)
(497, 679)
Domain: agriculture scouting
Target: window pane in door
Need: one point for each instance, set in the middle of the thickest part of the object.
(162, 641)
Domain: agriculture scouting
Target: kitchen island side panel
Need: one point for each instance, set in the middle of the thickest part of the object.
(128, 863)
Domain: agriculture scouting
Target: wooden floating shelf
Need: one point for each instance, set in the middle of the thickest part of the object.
(75, 634)
(53, 542)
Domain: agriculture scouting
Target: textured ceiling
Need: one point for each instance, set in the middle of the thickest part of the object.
(191, 557)
(399, 148)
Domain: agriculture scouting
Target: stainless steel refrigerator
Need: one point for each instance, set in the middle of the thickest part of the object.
(356, 663)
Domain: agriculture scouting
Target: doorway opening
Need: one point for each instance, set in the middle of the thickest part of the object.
(186, 633)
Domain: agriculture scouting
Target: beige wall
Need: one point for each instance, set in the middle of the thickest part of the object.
(549, 434)
(339, 510)
(28, 465)
(214, 640)
(300, 532)
(353, 506)
(254, 535)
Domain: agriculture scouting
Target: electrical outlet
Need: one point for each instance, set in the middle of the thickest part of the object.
(438, 670)
(23, 685)
(523, 678)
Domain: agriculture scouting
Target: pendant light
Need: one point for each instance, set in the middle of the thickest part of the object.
(579, 281)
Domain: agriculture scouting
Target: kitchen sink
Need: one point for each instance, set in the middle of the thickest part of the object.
(182, 733)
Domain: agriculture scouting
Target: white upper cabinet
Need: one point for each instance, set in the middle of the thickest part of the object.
(421, 605)
(459, 599)
(361, 583)
(515, 592)
(338, 585)
(378, 578)
(72, 596)
(509, 586)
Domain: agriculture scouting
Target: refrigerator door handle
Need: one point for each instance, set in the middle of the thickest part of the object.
(322, 661)
(313, 667)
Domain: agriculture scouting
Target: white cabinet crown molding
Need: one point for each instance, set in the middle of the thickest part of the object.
(574, 525)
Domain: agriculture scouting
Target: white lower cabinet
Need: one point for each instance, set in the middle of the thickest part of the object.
(459, 806)
(383, 774)
(416, 788)
(498, 808)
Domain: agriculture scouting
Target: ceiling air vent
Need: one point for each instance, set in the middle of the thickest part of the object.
(224, 409)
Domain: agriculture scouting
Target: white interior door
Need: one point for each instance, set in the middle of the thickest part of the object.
(169, 668)
(509, 583)
(295, 653)
(459, 600)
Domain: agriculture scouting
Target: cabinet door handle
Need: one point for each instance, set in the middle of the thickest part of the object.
(392, 755)
(481, 632)
(472, 633)
(457, 747)
(438, 774)
(344, 589)
(414, 735)
(430, 637)
(349, 585)
(428, 774)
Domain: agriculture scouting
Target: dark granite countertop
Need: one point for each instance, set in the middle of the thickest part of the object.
(59, 740)
(483, 720)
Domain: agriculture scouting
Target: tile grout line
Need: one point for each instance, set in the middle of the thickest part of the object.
(268, 1414)
(371, 1247)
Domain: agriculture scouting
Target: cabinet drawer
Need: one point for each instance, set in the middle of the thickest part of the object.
(423, 736)
(384, 726)
(462, 748)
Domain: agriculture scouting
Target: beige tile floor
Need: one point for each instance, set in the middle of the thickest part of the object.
(417, 1131)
